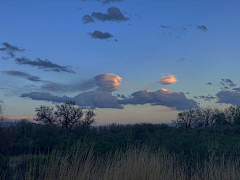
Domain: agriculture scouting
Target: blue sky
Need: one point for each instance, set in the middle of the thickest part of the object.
(105, 54)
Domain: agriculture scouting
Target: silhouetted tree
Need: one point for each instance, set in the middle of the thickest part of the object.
(45, 114)
(209, 117)
(1, 112)
(232, 114)
(188, 119)
(67, 115)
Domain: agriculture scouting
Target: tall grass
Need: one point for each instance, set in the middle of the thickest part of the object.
(80, 163)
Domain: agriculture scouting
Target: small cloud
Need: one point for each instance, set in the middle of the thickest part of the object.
(108, 1)
(22, 75)
(236, 89)
(108, 82)
(169, 79)
(165, 27)
(44, 64)
(227, 83)
(114, 14)
(121, 96)
(202, 28)
(5, 58)
(181, 59)
(10, 49)
(209, 83)
(100, 35)
(229, 97)
(87, 19)
(206, 97)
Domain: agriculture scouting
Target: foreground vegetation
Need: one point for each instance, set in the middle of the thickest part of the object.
(203, 144)
(136, 163)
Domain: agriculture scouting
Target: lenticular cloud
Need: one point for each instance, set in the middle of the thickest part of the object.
(170, 79)
(108, 82)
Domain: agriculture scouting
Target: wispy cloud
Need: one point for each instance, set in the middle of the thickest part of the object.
(5, 58)
(169, 79)
(179, 31)
(100, 35)
(227, 84)
(71, 87)
(206, 97)
(108, 1)
(44, 64)
(22, 75)
(10, 49)
(113, 14)
(202, 28)
(165, 27)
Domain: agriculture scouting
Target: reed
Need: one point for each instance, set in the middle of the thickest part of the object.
(80, 163)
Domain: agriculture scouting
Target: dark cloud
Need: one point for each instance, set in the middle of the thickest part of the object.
(236, 89)
(22, 75)
(181, 59)
(202, 27)
(44, 64)
(45, 97)
(227, 83)
(100, 35)
(165, 27)
(209, 83)
(97, 99)
(162, 97)
(229, 97)
(5, 58)
(10, 49)
(92, 99)
(108, 82)
(87, 19)
(108, 1)
(121, 96)
(206, 97)
(114, 14)
(71, 87)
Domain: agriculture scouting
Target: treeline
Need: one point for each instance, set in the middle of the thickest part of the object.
(209, 117)
(197, 133)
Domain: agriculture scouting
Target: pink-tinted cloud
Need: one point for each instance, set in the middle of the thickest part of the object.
(169, 79)
(108, 82)
(163, 97)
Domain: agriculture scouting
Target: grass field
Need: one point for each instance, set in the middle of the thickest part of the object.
(79, 162)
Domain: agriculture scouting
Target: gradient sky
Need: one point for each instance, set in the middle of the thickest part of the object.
(115, 56)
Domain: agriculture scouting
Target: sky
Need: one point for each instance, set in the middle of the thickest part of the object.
(129, 61)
